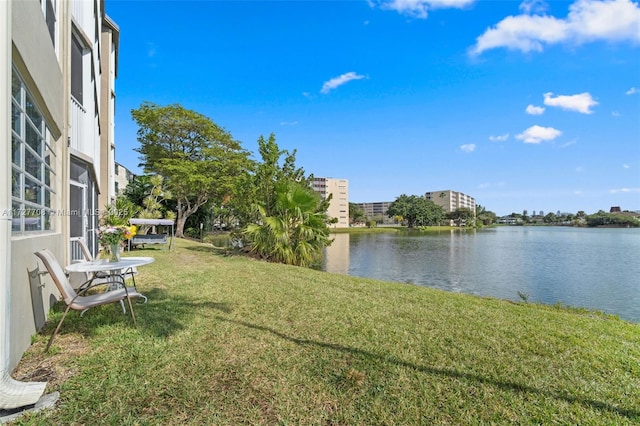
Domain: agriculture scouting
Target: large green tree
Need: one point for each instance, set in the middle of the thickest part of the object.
(356, 214)
(484, 216)
(284, 219)
(200, 160)
(602, 218)
(275, 167)
(462, 215)
(417, 211)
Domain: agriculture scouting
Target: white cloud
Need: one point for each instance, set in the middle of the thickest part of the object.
(626, 166)
(535, 110)
(567, 144)
(468, 147)
(632, 91)
(615, 113)
(579, 169)
(484, 185)
(336, 82)
(581, 103)
(288, 123)
(525, 33)
(418, 8)
(500, 138)
(537, 134)
(624, 190)
(533, 6)
(587, 21)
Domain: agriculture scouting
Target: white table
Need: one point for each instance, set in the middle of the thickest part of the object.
(103, 265)
(115, 269)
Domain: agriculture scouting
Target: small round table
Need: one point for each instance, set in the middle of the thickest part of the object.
(114, 269)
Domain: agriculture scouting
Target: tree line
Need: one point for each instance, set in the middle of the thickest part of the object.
(196, 172)
(416, 211)
(580, 218)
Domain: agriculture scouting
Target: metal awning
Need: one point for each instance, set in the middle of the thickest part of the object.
(154, 222)
(141, 221)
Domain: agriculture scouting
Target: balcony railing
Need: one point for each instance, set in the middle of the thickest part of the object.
(75, 250)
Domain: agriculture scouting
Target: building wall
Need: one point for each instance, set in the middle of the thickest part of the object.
(43, 65)
(35, 59)
(110, 39)
(376, 210)
(450, 200)
(122, 178)
(339, 204)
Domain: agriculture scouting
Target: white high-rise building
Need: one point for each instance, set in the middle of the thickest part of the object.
(451, 201)
(339, 204)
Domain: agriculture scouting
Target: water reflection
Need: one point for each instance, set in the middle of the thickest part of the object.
(593, 268)
(337, 259)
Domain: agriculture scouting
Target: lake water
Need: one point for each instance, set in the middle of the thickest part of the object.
(582, 267)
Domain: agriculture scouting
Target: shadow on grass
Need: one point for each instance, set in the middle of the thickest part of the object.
(221, 251)
(633, 414)
(161, 316)
(86, 324)
(165, 314)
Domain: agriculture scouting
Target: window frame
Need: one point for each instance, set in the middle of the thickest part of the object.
(77, 66)
(49, 10)
(33, 161)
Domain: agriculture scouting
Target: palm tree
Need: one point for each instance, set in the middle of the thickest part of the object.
(296, 233)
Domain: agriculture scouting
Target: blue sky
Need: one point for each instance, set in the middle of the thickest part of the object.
(523, 105)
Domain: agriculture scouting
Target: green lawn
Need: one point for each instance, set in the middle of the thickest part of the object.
(230, 340)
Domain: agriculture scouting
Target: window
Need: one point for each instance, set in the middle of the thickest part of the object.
(49, 12)
(32, 161)
(50, 16)
(76, 69)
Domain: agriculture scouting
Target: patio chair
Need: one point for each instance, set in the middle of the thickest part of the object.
(79, 301)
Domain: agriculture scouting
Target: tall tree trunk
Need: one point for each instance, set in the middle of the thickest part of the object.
(180, 225)
(186, 209)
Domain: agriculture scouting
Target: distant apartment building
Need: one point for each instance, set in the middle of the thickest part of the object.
(122, 178)
(451, 201)
(377, 211)
(339, 204)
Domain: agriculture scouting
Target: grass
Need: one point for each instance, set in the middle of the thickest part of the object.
(229, 340)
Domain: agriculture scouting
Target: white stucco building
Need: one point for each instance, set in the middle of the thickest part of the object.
(451, 201)
(339, 204)
(59, 62)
